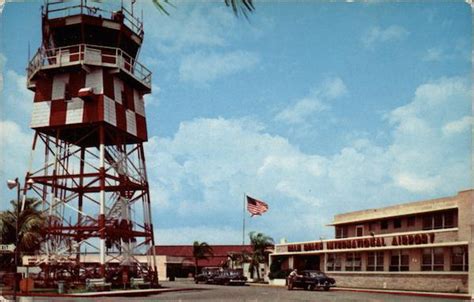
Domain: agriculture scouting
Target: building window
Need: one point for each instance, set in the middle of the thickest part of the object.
(440, 220)
(372, 226)
(375, 261)
(449, 221)
(399, 261)
(353, 262)
(359, 230)
(432, 259)
(411, 221)
(384, 224)
(459, 259)
(397, 223)
(334, 262)
(341, 232)
(427, 222)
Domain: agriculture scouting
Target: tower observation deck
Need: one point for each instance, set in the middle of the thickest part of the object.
(90, 126)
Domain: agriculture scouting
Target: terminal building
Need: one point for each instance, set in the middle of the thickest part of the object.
(423, 246)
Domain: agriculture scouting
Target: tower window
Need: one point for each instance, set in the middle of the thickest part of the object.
(67, 92)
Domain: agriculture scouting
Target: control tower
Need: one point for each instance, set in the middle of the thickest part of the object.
(88, 164)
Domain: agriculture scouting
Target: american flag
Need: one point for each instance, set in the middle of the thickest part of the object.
(255, 206)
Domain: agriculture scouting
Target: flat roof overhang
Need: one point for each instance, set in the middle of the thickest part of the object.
(407, 209)
(371, 249)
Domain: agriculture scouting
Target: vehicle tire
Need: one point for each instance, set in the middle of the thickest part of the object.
(195, 281)
(326, 288)
(311, 287)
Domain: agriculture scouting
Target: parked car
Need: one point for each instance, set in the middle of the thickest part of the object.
(311, 280)
(207, 275)
(230, 277)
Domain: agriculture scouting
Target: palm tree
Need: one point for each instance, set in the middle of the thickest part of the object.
(31, 222)
(201, 250)
(260, 242)
(238, 6)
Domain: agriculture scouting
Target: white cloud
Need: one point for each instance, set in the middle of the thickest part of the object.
(205, 168)
(377, 35)
(153, 99)
(203, 68)
(199, 175)
(18, 97)
(419, 148)
(3, 59)
(316, 101)
(430, 101)
(188, 26)
(300, 111)
(458, 126)
(433, 54)
(415, 183)
(458, 50)
(333, 88)
(209, 163)
(14, 152)
(194, 42)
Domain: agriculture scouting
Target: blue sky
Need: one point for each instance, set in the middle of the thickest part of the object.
(316, 108)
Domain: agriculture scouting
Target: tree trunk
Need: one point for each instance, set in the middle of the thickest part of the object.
(195, 267)
(258, 271)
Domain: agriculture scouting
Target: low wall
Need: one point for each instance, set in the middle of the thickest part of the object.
(279, 282)
(433, 282)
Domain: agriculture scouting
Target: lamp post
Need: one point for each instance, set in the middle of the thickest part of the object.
(12, 184)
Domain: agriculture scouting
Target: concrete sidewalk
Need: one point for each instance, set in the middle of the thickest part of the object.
(112, 293)
(390, 292)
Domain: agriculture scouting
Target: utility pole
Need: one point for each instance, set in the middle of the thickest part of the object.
(12, 184)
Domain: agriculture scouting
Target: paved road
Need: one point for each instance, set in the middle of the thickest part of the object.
(202, 292)
(266, 293)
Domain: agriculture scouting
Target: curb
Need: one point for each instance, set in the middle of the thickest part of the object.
(387, 292)
(406, 293)
(121, 293)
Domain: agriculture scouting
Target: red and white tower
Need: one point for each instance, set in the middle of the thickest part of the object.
(88, 163)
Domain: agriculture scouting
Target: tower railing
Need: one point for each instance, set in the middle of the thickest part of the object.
(60, 9)
(91, 55)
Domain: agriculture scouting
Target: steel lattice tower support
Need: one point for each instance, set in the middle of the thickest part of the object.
(88, 164)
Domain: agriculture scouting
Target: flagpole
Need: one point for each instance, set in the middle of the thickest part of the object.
(243, 221)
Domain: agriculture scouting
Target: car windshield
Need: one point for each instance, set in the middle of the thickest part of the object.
(316, 274)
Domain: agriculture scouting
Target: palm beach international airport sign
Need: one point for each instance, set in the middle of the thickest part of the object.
(359, 243)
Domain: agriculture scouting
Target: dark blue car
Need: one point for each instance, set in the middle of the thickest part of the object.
(311, 280)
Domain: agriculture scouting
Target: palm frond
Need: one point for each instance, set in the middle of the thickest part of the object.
(202, 250)
(158, 4)
(240, 7)
(31, 223)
